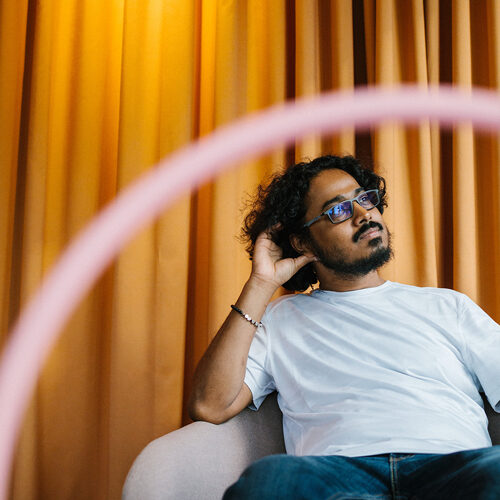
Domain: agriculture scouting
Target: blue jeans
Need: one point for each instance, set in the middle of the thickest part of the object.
(468, 475)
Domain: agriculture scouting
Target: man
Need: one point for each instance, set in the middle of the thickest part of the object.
(378, 382)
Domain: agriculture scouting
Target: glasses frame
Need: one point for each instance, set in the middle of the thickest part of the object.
(330, 210)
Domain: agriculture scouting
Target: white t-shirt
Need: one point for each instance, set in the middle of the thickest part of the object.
(394, 368)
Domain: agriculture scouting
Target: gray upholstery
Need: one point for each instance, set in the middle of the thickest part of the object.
(201, 460)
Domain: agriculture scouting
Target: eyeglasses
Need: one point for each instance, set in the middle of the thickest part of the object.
(344, 210)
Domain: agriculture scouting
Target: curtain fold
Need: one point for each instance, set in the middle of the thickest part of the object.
(13, 18)
(491, 296)
(93, 94)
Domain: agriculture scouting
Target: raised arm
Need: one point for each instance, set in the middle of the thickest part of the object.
(219, 392)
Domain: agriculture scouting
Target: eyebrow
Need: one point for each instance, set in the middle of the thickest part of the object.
(340, 197)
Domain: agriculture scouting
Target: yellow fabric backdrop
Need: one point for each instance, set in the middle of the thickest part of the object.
(93, 93)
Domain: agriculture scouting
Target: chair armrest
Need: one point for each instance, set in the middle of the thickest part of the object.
(493, 422)
(201, 460)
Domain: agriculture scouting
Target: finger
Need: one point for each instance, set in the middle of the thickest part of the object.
(303, 260)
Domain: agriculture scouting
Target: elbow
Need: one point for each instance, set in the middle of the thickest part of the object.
(197, 413)
(200, 412)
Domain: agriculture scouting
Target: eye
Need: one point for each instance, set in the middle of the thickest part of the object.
(339, 210)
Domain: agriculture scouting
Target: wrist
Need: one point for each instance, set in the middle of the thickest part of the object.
(262, 286)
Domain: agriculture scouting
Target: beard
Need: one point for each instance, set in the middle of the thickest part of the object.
(337, 258)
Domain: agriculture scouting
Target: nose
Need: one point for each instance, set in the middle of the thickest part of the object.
(360, 214)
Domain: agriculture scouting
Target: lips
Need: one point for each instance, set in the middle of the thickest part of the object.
(371, 233)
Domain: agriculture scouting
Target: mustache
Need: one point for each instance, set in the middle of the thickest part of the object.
(366, 227)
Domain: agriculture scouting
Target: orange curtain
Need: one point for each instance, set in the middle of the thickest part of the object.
(93, 93)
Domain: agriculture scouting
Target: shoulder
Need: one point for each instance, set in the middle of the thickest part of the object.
(429, 291)
(428, 294)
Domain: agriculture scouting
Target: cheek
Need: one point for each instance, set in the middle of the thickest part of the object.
(386, 230)
(325, 236)
(339, 236)
(377, 216)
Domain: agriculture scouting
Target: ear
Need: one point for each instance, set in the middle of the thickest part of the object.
(300, 246)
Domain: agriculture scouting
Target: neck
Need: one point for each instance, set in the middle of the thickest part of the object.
(329, 280)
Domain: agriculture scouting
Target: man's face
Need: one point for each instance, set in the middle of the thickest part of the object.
(351, 248)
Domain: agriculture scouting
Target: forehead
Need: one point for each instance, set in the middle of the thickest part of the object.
(327, 185)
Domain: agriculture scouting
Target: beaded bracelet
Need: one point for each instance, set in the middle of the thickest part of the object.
(258, 324)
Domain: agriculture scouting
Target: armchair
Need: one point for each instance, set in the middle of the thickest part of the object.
(201, 460)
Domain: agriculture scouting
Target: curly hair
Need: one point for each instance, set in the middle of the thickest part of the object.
(283, 201)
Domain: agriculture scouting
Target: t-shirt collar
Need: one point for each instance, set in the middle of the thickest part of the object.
(329, 294)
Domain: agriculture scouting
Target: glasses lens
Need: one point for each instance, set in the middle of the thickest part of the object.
(340, 212)
(369, 199)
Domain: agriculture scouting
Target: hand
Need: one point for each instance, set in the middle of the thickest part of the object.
(268, 265)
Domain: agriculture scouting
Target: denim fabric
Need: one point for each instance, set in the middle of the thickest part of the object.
(467, 475)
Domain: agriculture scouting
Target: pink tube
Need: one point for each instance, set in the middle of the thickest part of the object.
(92, 251)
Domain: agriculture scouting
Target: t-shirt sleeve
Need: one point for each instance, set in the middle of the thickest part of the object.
(482, 338)
(257, 377)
